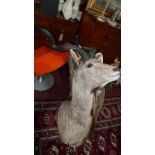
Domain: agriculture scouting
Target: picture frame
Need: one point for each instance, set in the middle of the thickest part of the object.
(104, 7)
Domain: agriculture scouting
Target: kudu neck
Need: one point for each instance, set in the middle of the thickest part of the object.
(81, 95)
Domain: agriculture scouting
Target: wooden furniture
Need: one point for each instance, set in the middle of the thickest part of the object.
(92, 33)
(98, 34)
(57, 25)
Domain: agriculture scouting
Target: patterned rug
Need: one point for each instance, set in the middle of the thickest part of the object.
(106, 139)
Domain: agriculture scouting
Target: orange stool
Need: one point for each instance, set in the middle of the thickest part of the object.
(47, 60)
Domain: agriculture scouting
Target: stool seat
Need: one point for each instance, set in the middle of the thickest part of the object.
(47, 60)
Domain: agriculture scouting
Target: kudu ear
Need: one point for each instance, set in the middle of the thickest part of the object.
(99, 57)
(76, 57)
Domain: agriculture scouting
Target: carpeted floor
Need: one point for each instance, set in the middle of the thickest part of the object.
(106, 139)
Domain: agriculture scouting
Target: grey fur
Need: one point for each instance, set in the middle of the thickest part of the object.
(76, 117)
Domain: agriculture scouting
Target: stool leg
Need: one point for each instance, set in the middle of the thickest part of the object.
(43, 82)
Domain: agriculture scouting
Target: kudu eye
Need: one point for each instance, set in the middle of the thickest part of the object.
(89, 65)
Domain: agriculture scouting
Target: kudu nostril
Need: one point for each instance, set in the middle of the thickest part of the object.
(117, 69)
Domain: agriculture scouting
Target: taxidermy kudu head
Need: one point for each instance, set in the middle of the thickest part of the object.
(90, 69)
(75, 118)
